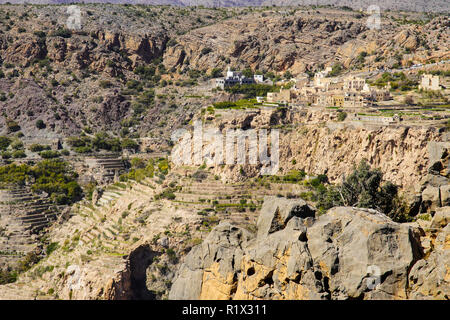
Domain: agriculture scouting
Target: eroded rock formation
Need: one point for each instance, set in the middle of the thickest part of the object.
(347, 253)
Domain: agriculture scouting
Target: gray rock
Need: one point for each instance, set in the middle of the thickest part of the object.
(437, 150)
(344, 254)
(445, 195)
(435, 180)
(223, 246)
(164, 242)
(276, 212)
(430, 199)
(441, 218)
(348, 244)
(429, 278)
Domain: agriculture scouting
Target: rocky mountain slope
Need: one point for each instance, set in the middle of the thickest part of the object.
(301, 41)
(146, 70)
(417, 5)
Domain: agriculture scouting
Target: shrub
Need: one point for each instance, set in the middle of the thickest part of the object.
(335, 70)
(224, 105)
(145, 72)
(17, 145)
(38, 147)
(129, 144)
(252, 90)
(61, 32)
(57, 179)
(363, 188)
(342, 116)
(12, 126)
(294, 176)
(84, 149)
(205, 51)
(4, 142)
(105, 84)
(49, 154)
(19, 154)
(216, 73)
(7, 276)
(40, 34)
(103, 141)
(51, 247)
(40, 124)
(6, 155)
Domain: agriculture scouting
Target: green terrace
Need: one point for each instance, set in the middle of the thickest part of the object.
(240, 104)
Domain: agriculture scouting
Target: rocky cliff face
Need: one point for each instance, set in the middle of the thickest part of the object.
(320, 144)
(347, 253)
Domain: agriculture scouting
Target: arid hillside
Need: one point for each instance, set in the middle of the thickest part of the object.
(146, 70)
(416, 5)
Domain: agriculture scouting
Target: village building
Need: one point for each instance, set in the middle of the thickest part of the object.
(330, 100)
(354, 100)
(352, 83)
(322, 91)
(301, 81)
(429, 82)
(334, 84)
(380, 95)
(320, 77)
(284, 96)
(259, 78)
(337, 100)
(233, 78)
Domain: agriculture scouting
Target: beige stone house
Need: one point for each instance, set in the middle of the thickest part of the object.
(284, 96)
(352, 83)
(429, 82)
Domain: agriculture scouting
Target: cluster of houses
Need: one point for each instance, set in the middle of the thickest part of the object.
(341, 92)
(324, 90)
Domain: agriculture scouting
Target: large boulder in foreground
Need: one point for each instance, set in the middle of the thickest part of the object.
(363, 253)
(346, 253)
(430, 277)
(276, 212)
(209, 269)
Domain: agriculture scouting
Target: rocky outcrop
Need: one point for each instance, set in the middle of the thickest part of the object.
(25, 50)
(209, 270)
(284, 210)
(435, 186)
(347, 253)
(430, 277)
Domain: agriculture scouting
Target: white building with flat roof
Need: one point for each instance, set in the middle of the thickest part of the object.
(233, 78)
(429, 82)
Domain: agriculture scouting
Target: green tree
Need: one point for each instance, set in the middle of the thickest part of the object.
(364, 188)
(40, 124)
(216, 73)
(335, 70)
